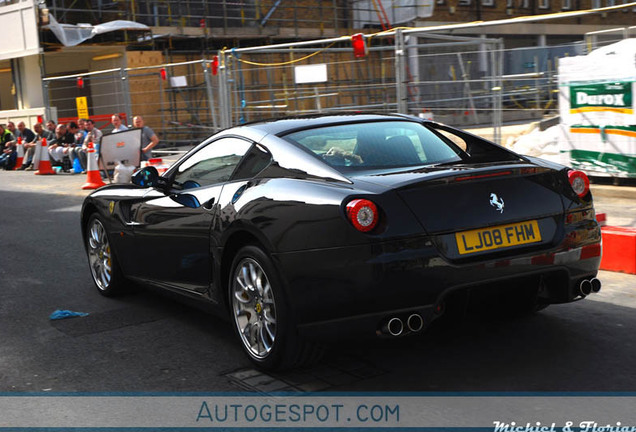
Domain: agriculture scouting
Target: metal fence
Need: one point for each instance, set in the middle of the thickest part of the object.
(176, 100)
(407, 71)
(457, 80)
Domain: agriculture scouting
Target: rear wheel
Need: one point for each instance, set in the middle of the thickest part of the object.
(101, 259)
(262, 319)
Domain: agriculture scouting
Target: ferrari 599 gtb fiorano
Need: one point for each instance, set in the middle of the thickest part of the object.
(303, 229)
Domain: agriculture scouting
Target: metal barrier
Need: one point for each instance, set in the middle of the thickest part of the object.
(597, 39)
(176, 100)
(458, 80)
(404, 70)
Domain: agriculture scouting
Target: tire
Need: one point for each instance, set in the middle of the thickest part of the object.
(261, 316)
(105, 270)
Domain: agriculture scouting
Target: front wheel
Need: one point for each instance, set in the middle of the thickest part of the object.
(262, 319)
(101, 259)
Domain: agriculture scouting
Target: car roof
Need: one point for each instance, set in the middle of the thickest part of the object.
(283, 126)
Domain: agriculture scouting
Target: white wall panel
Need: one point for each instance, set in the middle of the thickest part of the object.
(19, 26)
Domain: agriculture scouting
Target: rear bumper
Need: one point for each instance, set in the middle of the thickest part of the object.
(354, 290)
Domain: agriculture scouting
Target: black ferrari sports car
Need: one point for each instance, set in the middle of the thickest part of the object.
(305, 229)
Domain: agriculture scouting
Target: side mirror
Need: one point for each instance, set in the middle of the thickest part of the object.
(146, 177)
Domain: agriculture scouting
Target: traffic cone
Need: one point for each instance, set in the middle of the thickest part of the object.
(45, 163)
(93, 178)
(20, 149)
(37, 151)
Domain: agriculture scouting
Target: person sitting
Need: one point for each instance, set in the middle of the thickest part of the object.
(79, 133)
(50, 126)
(60, 146)
(8, 154)
(93, 135)
(29, 141)
(40, 132)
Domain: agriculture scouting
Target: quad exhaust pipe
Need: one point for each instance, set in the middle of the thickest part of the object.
(589, 286)
(415, 322)
(396, 326)
(596, 285)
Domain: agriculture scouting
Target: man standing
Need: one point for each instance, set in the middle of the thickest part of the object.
(29, 141)
(118, 126)
(148, 138)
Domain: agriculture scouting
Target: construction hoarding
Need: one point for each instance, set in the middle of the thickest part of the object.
(596, 103)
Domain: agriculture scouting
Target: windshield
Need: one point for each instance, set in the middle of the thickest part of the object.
(385, 144)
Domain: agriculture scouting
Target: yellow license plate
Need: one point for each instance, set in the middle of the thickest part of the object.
(498, 237)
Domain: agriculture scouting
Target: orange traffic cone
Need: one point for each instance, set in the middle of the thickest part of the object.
(20, 149)
(45, 163)
(93, 178)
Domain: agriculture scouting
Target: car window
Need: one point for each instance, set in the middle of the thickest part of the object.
(255, 161)
(375, 145)
(213, 164)
(457, 140)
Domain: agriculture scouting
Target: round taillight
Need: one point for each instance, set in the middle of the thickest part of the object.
(363, 214)
(579, 182)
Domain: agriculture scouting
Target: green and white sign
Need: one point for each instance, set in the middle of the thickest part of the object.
(613, 97)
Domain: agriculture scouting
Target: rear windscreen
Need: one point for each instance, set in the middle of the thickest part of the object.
(386, 144)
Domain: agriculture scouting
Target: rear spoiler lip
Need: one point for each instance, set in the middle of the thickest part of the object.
(435, 176)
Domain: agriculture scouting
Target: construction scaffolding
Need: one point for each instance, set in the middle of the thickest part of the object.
(338, 15)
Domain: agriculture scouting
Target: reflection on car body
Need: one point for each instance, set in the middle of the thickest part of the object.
(305, 229)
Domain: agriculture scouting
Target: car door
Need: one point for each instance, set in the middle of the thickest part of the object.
(172, 231)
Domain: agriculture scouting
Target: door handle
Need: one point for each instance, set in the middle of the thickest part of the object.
(134, 224)
(208, 204)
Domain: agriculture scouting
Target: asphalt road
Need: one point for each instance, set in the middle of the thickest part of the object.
(149, 342)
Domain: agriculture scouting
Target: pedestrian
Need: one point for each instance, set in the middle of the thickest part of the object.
(60, 146)
(8, 153)
(149, 139)
(29, 141)
(40, 132)
(118, 126)
(93, 135)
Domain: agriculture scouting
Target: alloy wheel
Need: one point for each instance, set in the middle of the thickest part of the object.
(99, 255)
(253, 308)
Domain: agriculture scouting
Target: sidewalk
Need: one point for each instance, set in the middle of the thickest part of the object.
(58, 184)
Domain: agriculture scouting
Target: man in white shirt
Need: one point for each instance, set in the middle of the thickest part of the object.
(118, 126)
(93, 135)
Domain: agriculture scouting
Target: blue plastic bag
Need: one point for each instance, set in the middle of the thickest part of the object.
(62, 313)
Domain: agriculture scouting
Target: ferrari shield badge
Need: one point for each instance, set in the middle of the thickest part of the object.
(111, 207)
(496, 202)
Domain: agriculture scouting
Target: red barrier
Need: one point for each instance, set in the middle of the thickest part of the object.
(101, 121)
(619, 249)
(601, 218)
